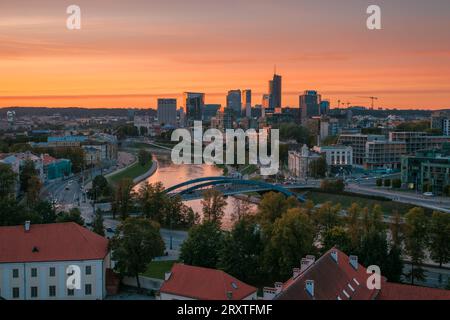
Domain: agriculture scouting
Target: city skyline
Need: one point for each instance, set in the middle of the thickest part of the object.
(128, 55)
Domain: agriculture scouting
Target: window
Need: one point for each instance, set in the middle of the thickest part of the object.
(52, 271)
(15, 273)
(33, 272)
(15, 293)
(70, 292)
(52, 291)
(88, 289)
(88, 270)
(34, 292)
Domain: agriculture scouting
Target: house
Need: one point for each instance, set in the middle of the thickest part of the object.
(185, 282)
(336, 276)
(34, 261)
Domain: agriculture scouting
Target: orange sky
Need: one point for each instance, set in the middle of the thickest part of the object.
(128, 53)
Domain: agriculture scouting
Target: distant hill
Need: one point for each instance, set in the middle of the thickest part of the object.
(74, 112)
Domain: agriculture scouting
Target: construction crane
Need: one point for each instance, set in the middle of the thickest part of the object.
(372, 99)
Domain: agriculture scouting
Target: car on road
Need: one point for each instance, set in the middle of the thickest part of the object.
(110, 230)
(428, 194)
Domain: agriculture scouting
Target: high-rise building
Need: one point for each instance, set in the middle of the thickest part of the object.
(309, 104)
(234, 102)
(247, 101)
(210, 111)
(195, 103)
(275, 92)
(167, 111)
(324, 107)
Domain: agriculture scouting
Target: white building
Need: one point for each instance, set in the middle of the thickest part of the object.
(34, 261)
(337, 155)
(298, 162)
(185, 282)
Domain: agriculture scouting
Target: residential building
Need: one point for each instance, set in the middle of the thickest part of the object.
(234, 102)
(56, 168)
(186, 282)
(309, 104)
(428, 170)
(336, 155)
(336, 276)
(440, 120)
(416, 141)
(384, 154)
(194, 103)
(34, 260)
(167, 112)
(298, 162)
(65, 141)
(358, 144)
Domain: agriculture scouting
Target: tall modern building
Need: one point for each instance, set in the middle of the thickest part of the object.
(247, 102)
(324, 107)
(234, 102)
(309, 104)
(167, 111)
(195, 103)
(275, 92)
(210, 111)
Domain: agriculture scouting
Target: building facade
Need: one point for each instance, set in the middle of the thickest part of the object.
(234, 102)
(194, 103)
(309, 104)
(167, 112)
(298, 162)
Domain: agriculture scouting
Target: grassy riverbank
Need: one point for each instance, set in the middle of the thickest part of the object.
(157, 269)
(131, 172)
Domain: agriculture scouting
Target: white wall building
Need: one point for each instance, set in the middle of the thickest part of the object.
(336, 155)
(34, 261)
(298, 162)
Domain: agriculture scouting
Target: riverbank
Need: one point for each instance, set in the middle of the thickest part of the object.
(135, 171)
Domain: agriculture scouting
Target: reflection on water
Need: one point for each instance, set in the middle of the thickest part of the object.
(170, 174)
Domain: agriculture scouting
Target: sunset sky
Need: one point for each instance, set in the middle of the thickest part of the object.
(128, 53)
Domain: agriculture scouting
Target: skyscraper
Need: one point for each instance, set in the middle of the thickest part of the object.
(275, 92)
(324, 107)
(247, 97)
(234, 102)
(194, 106)
(167, 111)
(309, 104)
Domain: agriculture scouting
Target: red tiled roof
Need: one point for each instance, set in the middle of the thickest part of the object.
(47, 159)
(204, 284)
(54, 242)
(330, 278)
(396, 291)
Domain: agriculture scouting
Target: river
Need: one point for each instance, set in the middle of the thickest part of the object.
(171, 174)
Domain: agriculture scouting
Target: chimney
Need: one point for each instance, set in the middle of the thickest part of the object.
(278, 287)
(167, 275)
(27, 225)
(334, 255)
(296, 272)
(229, 295)
(353, 262)
(309, 287)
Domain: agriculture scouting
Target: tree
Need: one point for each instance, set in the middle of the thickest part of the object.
(27, 171)
(271, 207)
(396, 229)
(387, 183)
(203, 245)
(374, 249)
(318, 168)
(327, 217)
(97, 223)
(7, 181)
(100, 188)
(123, 199)
(379, 182)
(440, 238)
(416, 239)
(144, 157)
(242, 208)
(396, 183)
(74, 215)
(213, 206)
(136, 243)
(153, 201)
(291, 239)
(393, 268)
(242, 250)
(34, 187)
(337, 236)
(12, 213)
(332, 186)
(46, 211)
(354, 225)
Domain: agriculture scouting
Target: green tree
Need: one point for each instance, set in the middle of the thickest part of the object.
(396, 183)
(34, 187)
(100, 188)
(332, 186)
(203, 245)
(136, 243)
(354, 225)
(440, 237)
(379, 182)
(291, 239)
(327, 217)
(393, 268)
(318, 168)
(241, 209)
(97, 224)
(387, 183)
(74, 215)
(27, 171)
(416, 240)
(337, 236)
(7, 181)
(46, 211)
(123, 198)
(144, 157)
(213, 206)
(242, 250)
(153, 201)
(271, 207)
